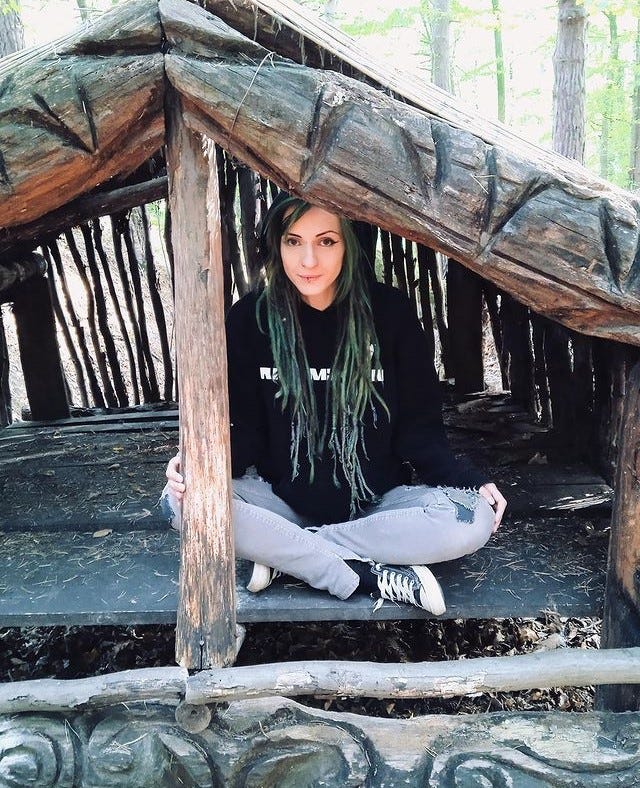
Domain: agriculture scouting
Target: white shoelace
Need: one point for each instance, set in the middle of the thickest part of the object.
(396, 587)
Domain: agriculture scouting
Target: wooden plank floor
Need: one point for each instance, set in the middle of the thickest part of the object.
(131, 577)
(62, 482)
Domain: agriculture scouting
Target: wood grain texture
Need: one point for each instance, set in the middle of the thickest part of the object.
(560, 239)
(90, 104)
(205, 634)
(329, 678)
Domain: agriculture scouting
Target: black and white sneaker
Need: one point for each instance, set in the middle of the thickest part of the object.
(414, 585)
(261, 577)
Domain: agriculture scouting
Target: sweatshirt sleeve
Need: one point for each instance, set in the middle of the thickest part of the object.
(246, 409)
(420, 436)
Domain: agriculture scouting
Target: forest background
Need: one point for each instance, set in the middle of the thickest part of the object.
(499, 58)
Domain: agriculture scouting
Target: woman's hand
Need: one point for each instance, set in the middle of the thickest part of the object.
(175, 481)
(496, 500)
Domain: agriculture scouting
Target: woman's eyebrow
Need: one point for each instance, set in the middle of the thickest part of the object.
(324, 232)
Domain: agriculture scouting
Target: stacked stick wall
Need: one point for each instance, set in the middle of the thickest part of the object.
(572, 383)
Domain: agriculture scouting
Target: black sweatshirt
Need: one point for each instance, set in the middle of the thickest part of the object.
(261, 432)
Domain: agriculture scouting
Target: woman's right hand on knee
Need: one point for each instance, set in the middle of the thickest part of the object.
(175, 481)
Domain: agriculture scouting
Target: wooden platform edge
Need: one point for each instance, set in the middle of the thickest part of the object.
(256, 742)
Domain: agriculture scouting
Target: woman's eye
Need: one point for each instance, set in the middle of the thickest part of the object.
(291, 241)
(328, 242)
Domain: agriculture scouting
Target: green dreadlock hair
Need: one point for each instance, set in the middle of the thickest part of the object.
(350, 391)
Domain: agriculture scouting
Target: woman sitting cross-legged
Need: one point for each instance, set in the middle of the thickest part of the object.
(332, 392)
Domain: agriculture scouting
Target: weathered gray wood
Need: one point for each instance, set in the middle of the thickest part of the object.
(91, 104)
(278, 743)
(622, 603)
(131, 575)
(128, 686)
(39, 352)
(561, 239)
(565, 668)
(205, 635)
(330, 678)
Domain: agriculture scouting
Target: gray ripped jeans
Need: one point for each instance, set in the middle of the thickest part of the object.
(408, 525)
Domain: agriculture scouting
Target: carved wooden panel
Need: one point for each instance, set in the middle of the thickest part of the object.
(275, 742)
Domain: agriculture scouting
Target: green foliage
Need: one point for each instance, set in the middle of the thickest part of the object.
(398, 17)
(610, 40)
(10, 6)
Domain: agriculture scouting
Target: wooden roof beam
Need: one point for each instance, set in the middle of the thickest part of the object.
(540, 227)
(76, 112)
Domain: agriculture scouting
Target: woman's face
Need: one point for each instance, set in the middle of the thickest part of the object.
(312, 251)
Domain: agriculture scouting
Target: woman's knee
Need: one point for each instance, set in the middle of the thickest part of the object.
(483, 522)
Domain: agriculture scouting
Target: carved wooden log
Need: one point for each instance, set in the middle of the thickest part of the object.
(205, 633)
(90, 104)
(89, 206)
(526, 219)
(278, 743)
(622, 601)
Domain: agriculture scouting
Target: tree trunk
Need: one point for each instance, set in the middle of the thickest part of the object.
(572, 416)
(497, 41)
(634, 168)
(569, 80)
(614, 79)
(11, 29)
(439, 27)
(330, 10)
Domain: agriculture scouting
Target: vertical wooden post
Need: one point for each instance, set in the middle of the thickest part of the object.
(39, 351)
(621, 625)
(5, 391)
(464, 308)
(205, 634)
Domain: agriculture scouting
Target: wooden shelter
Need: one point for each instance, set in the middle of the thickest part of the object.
(218, 107)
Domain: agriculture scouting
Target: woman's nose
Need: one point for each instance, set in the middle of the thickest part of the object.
(308, 256)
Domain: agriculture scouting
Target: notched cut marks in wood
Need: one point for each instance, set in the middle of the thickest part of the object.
(340, 141)
(501, 218)
(85, 102)
(621, 243)
(53, 123)
(440, 136)
(5, 180)
(490, 187)
(314, 132)
(416, 163)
